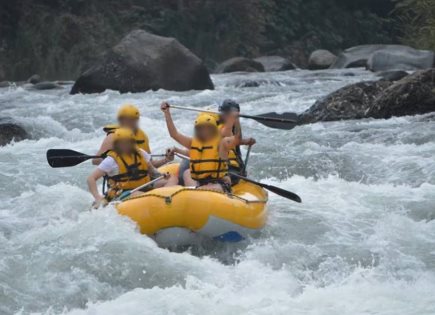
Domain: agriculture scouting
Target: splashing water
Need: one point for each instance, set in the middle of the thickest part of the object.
(363, 241)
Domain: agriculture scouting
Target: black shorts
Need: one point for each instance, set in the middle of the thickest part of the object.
(234, 179)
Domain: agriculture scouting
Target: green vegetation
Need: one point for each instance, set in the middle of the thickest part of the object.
(417, 20)
(60, 38)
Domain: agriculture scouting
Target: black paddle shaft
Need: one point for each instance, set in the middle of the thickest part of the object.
(279, 191)
(284, 121)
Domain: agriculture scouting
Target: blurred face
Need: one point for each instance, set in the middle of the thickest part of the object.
(124, 146)
(224, 115)
(205, 132)
(131, 123)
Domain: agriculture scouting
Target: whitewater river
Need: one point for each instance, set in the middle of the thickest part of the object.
(362, 242)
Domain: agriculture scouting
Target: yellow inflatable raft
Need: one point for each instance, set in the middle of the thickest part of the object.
(179, 215)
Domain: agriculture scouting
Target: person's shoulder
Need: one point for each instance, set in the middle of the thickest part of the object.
(108, 164)
(141, 131)
(109, 138)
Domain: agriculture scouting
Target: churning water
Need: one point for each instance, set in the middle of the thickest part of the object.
(363, 241)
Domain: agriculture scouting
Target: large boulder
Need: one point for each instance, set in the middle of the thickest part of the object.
(142, 61)
(9, 130)
(275, 63)
(412, 95)
(384, 57)
(392, 75)
(239, 64)
(350, 102)
(321, 59)
(400, 58)
(46, 85)
(36, 78)
(256, 83)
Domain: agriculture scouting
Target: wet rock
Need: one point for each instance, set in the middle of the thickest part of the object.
(5, 84)
(142, 61)
(248, 83)
(392, 75)
(240, 64)
(64, 82)
(414, 94)
(321, 59)
(10, 130)
(400, 58)
(384, 57)
(256, 83)
(36, 78)
(275, 63)
(46, 85)
(350, 102)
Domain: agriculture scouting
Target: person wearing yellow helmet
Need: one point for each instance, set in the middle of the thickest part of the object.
(126, 167)
(207, 149)
(128, 117)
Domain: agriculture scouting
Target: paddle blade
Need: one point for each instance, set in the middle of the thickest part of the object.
(284, 121)
(283, 193)
(65, 158)
(279, 191)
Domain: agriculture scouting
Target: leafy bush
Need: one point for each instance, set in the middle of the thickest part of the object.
(417, 22)
(59, 38)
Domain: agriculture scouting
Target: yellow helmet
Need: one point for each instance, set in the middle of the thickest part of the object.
(123, 134)
(205, 119)
(128, 111)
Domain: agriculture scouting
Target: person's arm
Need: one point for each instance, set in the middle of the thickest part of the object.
(237, 128)
(158, 163)
(153, 171)
(229, 143)
(105, 146)
(248, 141)
(92, 183)
(173, 132)
(181, 151)
(226, 131)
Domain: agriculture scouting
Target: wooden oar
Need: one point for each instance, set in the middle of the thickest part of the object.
(279, 191)
(284, 121)
(67, 158)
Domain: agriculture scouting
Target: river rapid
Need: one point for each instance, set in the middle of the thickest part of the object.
(362, 241)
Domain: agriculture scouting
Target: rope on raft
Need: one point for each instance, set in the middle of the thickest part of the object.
(168, 198)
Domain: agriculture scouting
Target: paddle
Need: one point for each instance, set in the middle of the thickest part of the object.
(284, 121)
(245, 164)
(67, 158)
(127, 194)
(279, 191)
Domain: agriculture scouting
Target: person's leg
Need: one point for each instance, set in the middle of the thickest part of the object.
(188, 181)
(215, 187)
(171, 181)
(167, 182)
(184, 165)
